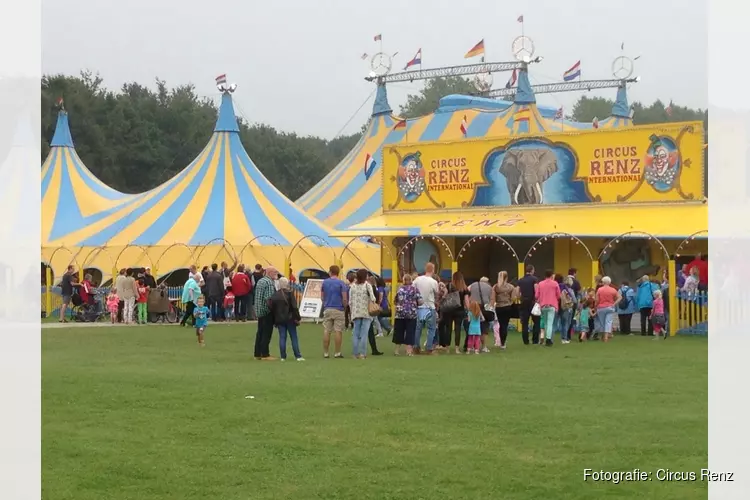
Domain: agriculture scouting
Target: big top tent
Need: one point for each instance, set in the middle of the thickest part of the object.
(220, 207)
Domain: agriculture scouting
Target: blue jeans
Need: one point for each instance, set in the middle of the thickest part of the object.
(425, 317)
(292, 329)
(564, 322)
(359, 336)
(549, 313)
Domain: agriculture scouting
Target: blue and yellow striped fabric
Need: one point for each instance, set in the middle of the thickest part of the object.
(221, 200)
(345, 197)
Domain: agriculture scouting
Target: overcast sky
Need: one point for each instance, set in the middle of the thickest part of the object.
(297, 63)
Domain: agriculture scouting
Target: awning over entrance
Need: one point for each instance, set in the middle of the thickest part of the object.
(661, 220)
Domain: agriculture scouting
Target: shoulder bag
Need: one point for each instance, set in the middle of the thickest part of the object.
(489, 316)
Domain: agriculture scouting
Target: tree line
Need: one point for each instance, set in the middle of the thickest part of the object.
(136, 138)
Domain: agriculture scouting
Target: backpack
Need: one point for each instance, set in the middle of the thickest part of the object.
(451, 303)
(566, 302)
(625, 302)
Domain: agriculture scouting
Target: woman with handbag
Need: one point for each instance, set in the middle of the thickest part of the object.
(363, 307)
(454, 307)
(286, 317)
(503, 296)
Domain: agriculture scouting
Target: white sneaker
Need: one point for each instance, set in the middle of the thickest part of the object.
(283, 359)
(485, 349)
(300, 359)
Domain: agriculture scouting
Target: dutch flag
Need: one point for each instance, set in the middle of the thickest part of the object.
(464, 126)
(573, 73)
(221, 79)
(370, 165)
(416, 60)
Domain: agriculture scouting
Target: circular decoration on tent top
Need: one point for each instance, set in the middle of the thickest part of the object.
(380, 64)
(622, 68)
(523, 48)
(483, 82)
(410, 179)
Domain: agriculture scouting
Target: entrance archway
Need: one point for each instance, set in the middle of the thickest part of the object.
(491, 238)
(409, 247)
(320, 242)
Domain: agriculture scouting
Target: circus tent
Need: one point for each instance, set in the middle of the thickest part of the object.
(220, 207)
(346, 196)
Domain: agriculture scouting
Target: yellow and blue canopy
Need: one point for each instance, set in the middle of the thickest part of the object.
(347, 196)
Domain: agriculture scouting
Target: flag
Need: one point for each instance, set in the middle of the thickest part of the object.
(400, 124)
(522, 115)
(60, 101)
(595, 122)
(512, 79)
(378, 37)
(632, 113)
(364, 56)
(417, 59)
(559, 114)
(573, 73)
(464, 125)
(668, 109)
(476, 50)
(520, 18)
(370, 165)
(221, 79)
(622, 46)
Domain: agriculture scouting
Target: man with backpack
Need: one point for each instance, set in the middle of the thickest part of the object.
(626, 308)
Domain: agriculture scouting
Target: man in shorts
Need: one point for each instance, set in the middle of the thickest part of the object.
(66, 290)
(335, 299)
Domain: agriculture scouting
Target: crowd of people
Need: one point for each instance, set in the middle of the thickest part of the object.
(453, 314)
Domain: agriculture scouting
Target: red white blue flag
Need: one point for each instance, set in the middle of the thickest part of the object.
(464, 126)
(573, 73)
(417, 59)
(221, 79)
(370, 165)
(512, 80)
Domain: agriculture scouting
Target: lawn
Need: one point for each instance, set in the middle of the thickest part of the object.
(144, 413)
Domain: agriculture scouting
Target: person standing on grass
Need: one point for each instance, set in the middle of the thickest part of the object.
(527, 291)
(264, 290)
(548, 297)
(215, 290)
(142, 302)
(120, 288)
(350, 277)
(361, 295)
(112, 303)
(481, 293)
(241, 287)
(335, 296)
(286, 317)
(626, 308)
(407, 301)
(502, 298)
(129, 294)
(66, 289)
(201, 313)
(427, 313)
(475, 318)
(190, 293)
(658, 318)
(255, 276)
(607, 298)
(645, 302)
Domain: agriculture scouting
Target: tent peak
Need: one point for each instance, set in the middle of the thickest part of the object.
(227, 120)
(62, 137)
(524, 92)
(621, 108)
(381, 106)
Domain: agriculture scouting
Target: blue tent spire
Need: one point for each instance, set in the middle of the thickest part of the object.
(62, 137)
(227, 120)
(381, 106)
(524, 93)
(621, 108)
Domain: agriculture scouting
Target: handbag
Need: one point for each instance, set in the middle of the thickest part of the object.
(489, 316)
(373, 309)
(536, 310)
(451, 303)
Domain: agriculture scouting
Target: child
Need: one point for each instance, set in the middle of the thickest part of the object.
(658, 319)
(201, 319)
(142, 302)
(113, 302)
(475, 320)
(587, 315)
(229, 304)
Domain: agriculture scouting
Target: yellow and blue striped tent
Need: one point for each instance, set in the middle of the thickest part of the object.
(218, 208)
(346, 197)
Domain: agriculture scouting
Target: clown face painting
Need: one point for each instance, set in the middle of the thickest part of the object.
(662, 164)
(410, 179)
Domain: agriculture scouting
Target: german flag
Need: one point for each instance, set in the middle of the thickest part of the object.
(400, 124)
(476, 50)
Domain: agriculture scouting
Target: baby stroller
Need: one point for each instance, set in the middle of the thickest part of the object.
(160, 306)
(87, 312)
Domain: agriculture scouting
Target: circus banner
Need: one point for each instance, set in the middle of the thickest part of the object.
(663, 163)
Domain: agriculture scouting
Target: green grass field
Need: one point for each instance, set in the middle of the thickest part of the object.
(144, 413)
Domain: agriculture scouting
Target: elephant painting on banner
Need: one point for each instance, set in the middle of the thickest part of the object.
(525, 171)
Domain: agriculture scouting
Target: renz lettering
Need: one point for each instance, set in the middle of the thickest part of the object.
(449, 174)
(614, 165)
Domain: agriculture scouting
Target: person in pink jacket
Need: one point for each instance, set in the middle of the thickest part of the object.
(548, 298)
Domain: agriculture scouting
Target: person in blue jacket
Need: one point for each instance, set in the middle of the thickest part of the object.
(626, 307)
(645, 303)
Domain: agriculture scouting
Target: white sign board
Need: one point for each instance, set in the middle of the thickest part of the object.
(311, 304)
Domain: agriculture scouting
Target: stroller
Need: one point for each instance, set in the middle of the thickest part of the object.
(160, 306)
(88, 312)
